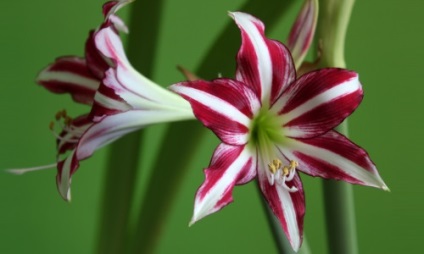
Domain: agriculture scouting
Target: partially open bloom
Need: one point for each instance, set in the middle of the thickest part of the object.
(122, 99)
(272, 125)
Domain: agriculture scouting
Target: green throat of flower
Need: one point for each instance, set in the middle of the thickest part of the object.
(266, 129)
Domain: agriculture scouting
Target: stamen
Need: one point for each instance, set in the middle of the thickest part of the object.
(66, 127)
(272, 168)
(282, 174)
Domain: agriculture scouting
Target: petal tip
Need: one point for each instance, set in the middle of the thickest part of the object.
(385, 188)
(66, 196)
(192, 221)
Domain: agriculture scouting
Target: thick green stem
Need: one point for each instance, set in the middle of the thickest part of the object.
(338, 196)
(333, 21)
(220, 59)
(124, 154)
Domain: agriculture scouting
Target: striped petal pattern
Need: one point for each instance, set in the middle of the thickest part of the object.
(137, 90)
(70, 75)
(302, 31)
(230, 166)
(333, 156)
(107, 130)
(318, 102)
(288, 207)
(228, 110)
(263, 64)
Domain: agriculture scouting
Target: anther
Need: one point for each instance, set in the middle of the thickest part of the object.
(272, 168)
(293, 164)
(282, 174)
(68, 120)
(60, 114)
(286, 171)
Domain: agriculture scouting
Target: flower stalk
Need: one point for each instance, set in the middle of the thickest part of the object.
(338, 196)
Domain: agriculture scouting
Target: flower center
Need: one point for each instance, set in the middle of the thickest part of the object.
(282, 174)
(266, 128)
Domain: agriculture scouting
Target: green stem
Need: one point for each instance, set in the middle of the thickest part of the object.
(155, 208)
(123, 158)
(338, 196)
(280, 239)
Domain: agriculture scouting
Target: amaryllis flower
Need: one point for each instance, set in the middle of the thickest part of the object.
(273, 125)
(122, 99)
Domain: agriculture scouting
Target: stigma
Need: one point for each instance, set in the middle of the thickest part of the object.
(281, 174)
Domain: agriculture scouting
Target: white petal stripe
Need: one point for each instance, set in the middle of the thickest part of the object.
(119, 124)
(247, 22)
(290, 215)
(65, 180)
(214, 103)
(347, 166)
(207, 204)
(68, 77)
(335, 92)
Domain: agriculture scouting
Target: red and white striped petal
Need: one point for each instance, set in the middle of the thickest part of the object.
(303, 30)
(263, 64)
(96, 62)
(333, 156)
(111, 7)
(112, 127)
(318, 101)
(225, 106)
(107, 130)
(70, 75)
(65, 169)
(287, 206)
(106, 101)
(230, 166)
(132, 86)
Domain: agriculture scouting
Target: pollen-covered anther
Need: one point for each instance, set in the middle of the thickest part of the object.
(275, 165)
(60, 114)
(283, 174)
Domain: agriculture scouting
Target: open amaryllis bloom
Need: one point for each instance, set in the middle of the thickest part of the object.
(122, 99)
(273, 125)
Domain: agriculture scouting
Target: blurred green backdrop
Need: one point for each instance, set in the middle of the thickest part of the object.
(384, 44)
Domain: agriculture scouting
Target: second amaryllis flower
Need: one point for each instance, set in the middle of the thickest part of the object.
(273, 125)
(122, 99)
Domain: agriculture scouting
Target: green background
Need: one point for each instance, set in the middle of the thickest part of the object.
(384, 44)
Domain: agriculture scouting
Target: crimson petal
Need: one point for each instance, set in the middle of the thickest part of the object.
(288, 207)
(333, 156)
(264, 65)
(230, 166)
(225, 106)
(318, 102)
(70, 75)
